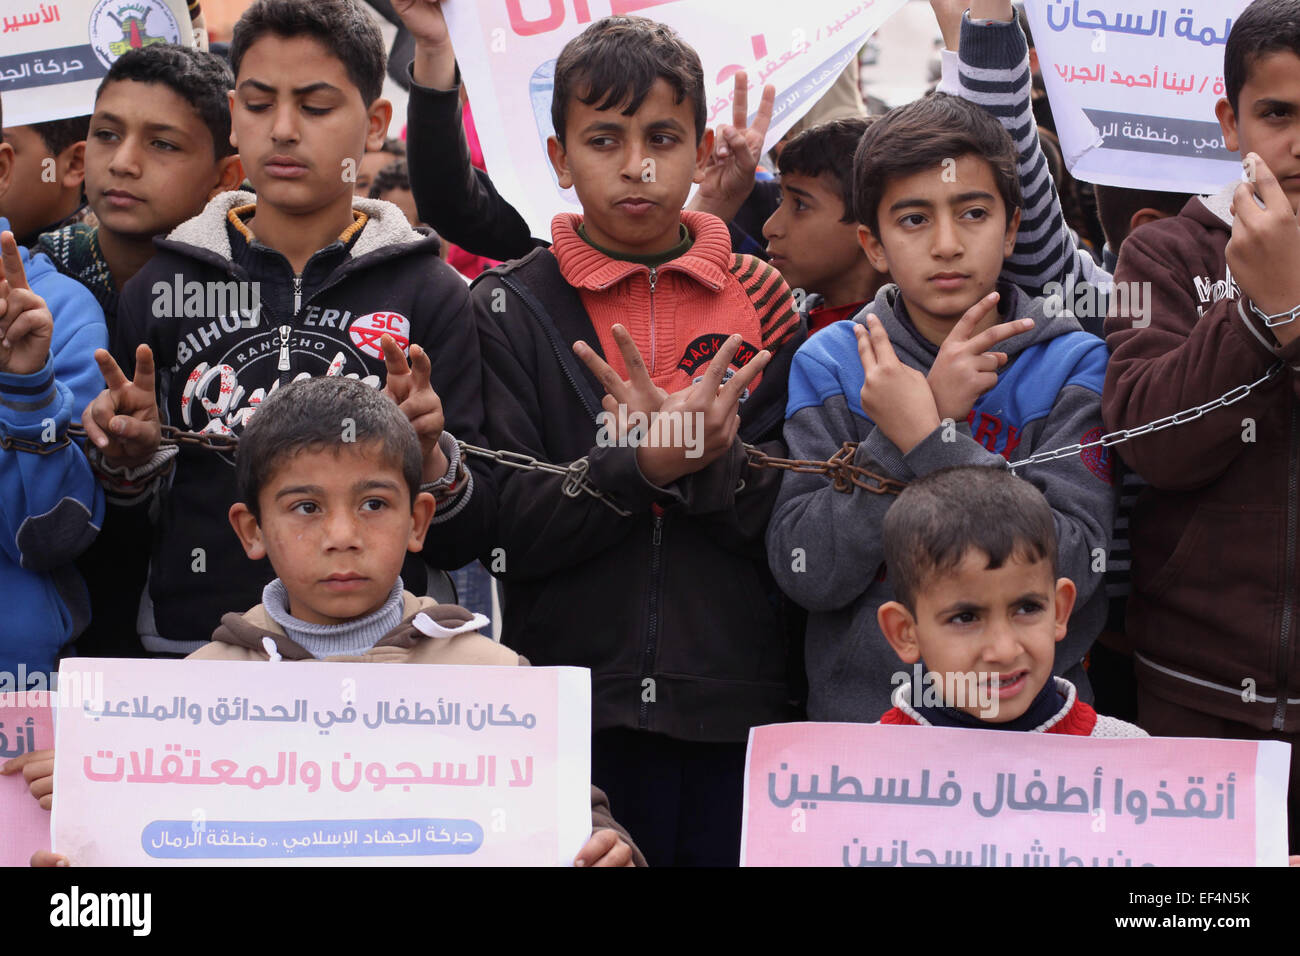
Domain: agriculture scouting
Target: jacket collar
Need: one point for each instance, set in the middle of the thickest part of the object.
(903, 694)
(586, 267)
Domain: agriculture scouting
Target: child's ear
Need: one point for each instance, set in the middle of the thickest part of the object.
(379, 116)
(874, 249)
(230, 173)
(1228, 123)
(6, 166)
(899, 628)
(702, 154)
(421, 515)
(559, 161)
(1065, 596)
(249, 531)
(1013, 227)
(73, 160)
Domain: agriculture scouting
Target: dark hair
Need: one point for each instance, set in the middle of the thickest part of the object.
(1116, 206)
(616, 60)
(318, 413)
(940, 518)
(393, 147)
(200, 78)
(827, 148)
(392, 176)
(920, 136)
(58, 135)
(343, 27)
(1264, 27)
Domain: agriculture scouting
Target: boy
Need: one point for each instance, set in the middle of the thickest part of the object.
(158, 148)
(373, 160)
(329, 476)
(1215, 580)
(300, 279)
(50, 161)
(659, 584)
(812, 238)
(392, 184)
(979, 605)
(915, 381)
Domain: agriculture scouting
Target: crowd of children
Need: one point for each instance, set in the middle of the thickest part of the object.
(899, 299)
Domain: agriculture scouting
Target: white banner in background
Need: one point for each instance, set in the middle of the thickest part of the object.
(507, 51)
(1133, 93)
(53, 55)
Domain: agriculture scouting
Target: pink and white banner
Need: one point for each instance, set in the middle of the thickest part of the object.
(26, 724)
(229, 763)
(874, 795)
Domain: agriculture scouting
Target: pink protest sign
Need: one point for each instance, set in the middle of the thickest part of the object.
(229, 763)
(26, 724)
(873, 795)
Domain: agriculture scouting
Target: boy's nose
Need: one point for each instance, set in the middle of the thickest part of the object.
(285, 129)
(946, 239)
(772, 228)
(635, 166)
(342, 531)
(125, 160)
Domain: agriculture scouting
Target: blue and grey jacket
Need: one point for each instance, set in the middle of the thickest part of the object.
(50, 505)
(825, 547)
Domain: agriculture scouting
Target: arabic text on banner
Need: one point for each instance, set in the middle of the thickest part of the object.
(25, 725)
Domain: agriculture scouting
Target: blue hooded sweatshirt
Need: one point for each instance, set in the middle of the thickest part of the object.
(51, 506)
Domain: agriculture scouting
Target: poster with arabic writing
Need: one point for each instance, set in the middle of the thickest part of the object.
(26, 725)
(876, 795)
(507, 51)
(1133, 89)
(54, 54)
(242, 763)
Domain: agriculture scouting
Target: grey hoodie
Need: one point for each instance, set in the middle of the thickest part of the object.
(825, 547)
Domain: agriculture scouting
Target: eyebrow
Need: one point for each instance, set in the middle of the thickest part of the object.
(612, 126)
(955, 201)
(370, 484)
(1268, 102)
(797, 191)
(960, 607)
(152, 127)
(296, 91)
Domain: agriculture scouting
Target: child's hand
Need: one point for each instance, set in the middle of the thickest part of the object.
(26, 325)
(38, 770)
(895, 396)
(409, 387)
(948, 14)
(1264, 251)
(48, 858)
(636, 394)
(965, 368)
(424, 20)
(707, 411)
(123, 420)
(729, 173)
(605, 848)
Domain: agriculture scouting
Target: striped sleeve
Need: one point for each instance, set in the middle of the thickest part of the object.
(994, 73)
(770, 297)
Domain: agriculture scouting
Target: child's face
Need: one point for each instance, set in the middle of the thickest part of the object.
(149, 160)
(993, 632)
(632, 173)
(35, 200)
(808, 244)
(369, 167)
(336, 524)
(1267, 120)
(300, 124)
(944, 233)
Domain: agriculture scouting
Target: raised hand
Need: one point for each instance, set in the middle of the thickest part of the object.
(1264, 251)
(435, 62)
(636, 393)
(26, 324)
(712, 409)
(409, 386)
(965, 368)
(895, 396)
(729, 175)
(123, 421)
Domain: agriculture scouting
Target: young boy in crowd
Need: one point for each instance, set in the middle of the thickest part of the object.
(158, 148)
(300, 279)
(659, 584)
(50, 162)
(1213, 611)
(978, 603)
(52, 507)
(812, 238)
(393, 184)
(329, 475)
(916, 381)
(374, 160)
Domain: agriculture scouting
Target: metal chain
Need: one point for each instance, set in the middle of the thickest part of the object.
(1160, 424)
(839, 468)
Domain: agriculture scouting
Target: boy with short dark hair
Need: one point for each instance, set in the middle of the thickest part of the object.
(375, 160)
(300, 279)
(50, 163)
(657, 582)
(393, 184)
(1213, 610)
(979, 604)
(916, 381)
